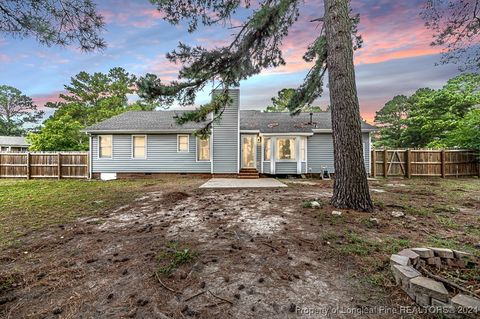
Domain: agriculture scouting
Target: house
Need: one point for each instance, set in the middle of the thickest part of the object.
(247, 143)
(13, 144)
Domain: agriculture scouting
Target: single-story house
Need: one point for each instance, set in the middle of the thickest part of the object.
(243, 142)
(13, 144)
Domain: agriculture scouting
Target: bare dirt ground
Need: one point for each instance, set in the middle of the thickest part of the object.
(180, 251)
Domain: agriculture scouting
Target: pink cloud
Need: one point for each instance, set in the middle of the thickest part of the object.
(4, 58)
(41, 99)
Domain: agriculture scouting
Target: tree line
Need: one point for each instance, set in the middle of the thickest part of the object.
(88, 99)
(445, 118)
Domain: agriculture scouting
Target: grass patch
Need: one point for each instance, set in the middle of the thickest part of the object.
(172, 257)
(28, 205)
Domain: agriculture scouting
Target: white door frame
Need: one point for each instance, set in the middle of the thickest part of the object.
(254, 150)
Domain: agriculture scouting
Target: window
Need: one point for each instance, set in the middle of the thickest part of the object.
(303, 149)
(139, 146)
(203, 149)
(267, 149)
(286, 148)
(182, 143)
(105, 146)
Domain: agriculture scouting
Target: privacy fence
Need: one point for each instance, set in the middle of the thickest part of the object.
(410, 163)
(44, 165)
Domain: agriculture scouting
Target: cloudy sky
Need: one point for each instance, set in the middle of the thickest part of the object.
(396, 57)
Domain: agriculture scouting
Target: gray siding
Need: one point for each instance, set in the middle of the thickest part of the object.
(266, 167)
(259, 156)
(285, 167)
(162, 156)
(226, 138)
(320, 152)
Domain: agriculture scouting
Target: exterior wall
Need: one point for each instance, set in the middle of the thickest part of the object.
(320, 152)
(162, 156)
(286, 167)
(226, 138)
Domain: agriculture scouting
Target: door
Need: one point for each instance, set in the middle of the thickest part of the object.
(248, 151)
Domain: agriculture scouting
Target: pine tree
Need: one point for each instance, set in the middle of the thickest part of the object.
(257, 46)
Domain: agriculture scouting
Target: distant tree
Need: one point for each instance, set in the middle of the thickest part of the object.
(89, 98)
(466, 134)
(391, 120)
(456, 24)
(428, 117)
(53, 22)
(16, 111)
(434, 113)
(281, 102)
(256, 47)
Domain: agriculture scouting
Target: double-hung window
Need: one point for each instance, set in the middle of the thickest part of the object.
(182, 143)
(203, 149)
(267, 149)
(303, 148)
(285, 148)
(105, 146)
(139, 145)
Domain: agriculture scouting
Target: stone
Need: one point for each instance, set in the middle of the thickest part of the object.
(435, 261)
(399, 260)
(430, 287)
(422, 300)
(377, 190)
(337, 213)
(397, 214)
(414, 257)
(375, 221)
(443, 252)
(464, 256)
(403, 274)
(469, 305)
(424, 252)
(443, 307)
(315, 204)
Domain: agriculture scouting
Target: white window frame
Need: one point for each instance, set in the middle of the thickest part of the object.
(133, 146)
(197, 148)
(178, 143)
(277, 157)
(98, 146)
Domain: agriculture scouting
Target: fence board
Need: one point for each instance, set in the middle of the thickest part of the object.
(425, 163)
(44, 165)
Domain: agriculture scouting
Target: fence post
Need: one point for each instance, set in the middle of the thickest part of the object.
(409, 163)
(442, 160)
(374, 163)
(28, 165)
(59, 162)
(385, 163)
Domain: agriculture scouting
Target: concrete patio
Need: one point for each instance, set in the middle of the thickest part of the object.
(242, 183)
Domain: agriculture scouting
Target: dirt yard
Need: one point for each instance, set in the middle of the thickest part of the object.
(176, 251)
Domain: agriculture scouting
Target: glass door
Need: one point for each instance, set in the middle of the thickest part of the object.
(248, 151)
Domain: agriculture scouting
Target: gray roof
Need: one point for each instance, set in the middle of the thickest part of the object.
(145, 121)
(281, 122)
(165, 121)
(13, 141)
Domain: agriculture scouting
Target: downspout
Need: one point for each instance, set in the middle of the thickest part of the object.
(90, 156)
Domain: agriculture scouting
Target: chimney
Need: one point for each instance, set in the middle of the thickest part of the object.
(311, 118)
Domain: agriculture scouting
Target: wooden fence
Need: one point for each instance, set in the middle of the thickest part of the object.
(408, 163)
(44, 165)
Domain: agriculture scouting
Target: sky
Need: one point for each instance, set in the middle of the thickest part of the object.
(396, 57)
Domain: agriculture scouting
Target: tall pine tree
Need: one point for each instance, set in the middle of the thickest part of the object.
(256, 47)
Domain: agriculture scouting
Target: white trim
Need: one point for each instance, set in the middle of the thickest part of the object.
(188, 143)
(135, 131)
(273, 149)
(210, 151)
(238, 136)
(369, 154)
(250, 131)
(261, 153)
(90, 156)
(211, 148)
(286, 134)
(254, 150)
(145, 147)
(98, 146)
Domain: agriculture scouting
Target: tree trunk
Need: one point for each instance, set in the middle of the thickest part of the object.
(350, 185)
